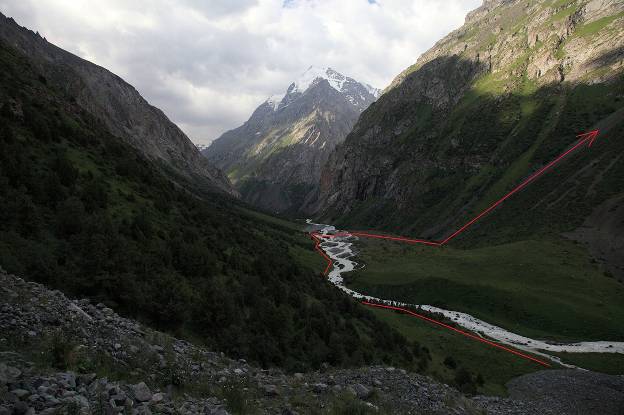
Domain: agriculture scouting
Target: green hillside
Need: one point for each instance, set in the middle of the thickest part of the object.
(540, 289)
(491, 103)
(87, 214)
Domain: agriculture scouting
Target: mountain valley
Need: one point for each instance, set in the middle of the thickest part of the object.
(140, 273)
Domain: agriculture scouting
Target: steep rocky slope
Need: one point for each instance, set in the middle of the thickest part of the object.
(72, 356)
(116, 103)
(275, 158)
(482, 109)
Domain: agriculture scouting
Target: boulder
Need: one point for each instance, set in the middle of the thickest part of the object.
(67, 380)
(157, 397)
(141, 392)
(20, 408)
(20, 393)
(360, 390)
(319, 387)
(8, 374)
(270, 390)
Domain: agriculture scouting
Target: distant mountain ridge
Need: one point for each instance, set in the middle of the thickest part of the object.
(275, 158)
(119, 105)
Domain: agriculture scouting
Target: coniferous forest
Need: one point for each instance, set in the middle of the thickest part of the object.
(84, 211)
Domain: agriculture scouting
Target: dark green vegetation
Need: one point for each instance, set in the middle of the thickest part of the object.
(490, 104)
(422, 162)
(468, 365)
(502, 139)
(612, 364)
(541, 289)
(85, 213)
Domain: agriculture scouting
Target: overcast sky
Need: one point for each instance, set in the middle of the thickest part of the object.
(209, 64)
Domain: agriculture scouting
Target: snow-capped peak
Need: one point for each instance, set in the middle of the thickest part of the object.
(274, 100)
(350, 88)
(335, 79)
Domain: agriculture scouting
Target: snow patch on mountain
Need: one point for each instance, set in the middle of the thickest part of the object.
(376, 92)
(275, 100)
(313, 73)
(336, 80)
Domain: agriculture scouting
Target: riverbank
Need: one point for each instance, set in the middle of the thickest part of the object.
(341, 251)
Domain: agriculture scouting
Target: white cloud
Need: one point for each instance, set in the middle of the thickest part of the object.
(209, 64)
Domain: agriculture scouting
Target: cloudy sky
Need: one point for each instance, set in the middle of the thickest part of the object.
(209, 64)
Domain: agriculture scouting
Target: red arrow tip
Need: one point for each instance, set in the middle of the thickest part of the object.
(590, 137)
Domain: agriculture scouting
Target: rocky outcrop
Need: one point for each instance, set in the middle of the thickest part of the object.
(275, 158)
(117, 104)
(603, 233)
(510, 88)
(71, 356)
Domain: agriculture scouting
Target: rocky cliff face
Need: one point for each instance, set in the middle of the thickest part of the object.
(275, 158)
(117, 104)
(487, 105)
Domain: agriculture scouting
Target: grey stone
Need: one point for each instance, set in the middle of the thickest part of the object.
(20, 393)
(157, 397)
(360, 390)
(143, 410)
(270, 390)
(51, 400)
(118, 399)
(319, 387)
(20, 408)
(86, 379)
(141, 392)
(8, 374)
(219, 411)
(67, 380)
(34, 398)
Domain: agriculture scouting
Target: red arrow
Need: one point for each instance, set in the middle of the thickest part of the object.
(588, 138)
(591, 136)
(585, 137)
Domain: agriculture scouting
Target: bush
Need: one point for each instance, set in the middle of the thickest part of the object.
(450, 362)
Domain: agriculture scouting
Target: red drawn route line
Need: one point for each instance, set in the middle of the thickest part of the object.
(588, 138)
(585, 138)
(317, 242)
(464, 333)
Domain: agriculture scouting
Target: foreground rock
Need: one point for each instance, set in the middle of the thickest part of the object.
(64, 356)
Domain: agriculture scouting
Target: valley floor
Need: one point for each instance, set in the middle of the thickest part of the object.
(546, 289)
